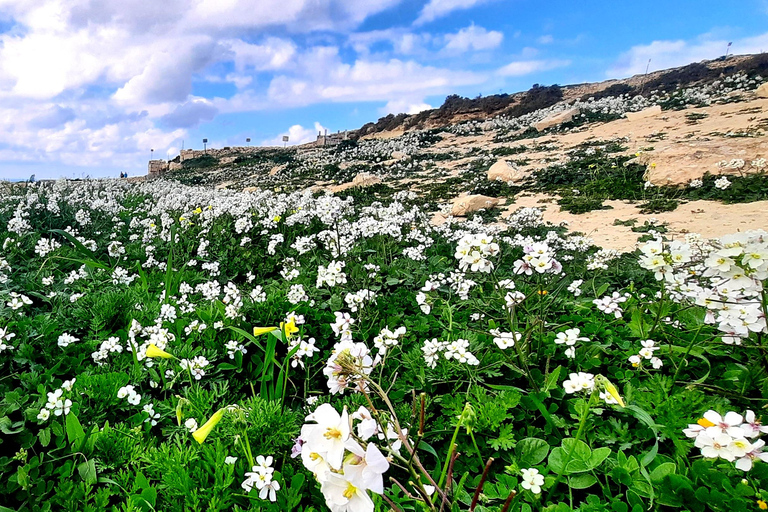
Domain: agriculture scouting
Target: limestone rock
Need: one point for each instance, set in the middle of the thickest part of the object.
(437, 219)
(398, 155)
(504, 171)
(647, 112)
(468, 204)
(227, 160)
(364, 179)
(762, 91)
(174, 166)
(276, 169)
(556, 119)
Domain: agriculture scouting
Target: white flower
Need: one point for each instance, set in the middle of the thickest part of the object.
(191, 424)
(328, 436)
(729, 424)
(66, 339)
(532, 480)
(230, 460)
(752, 427)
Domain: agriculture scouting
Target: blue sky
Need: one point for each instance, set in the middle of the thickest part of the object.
(88, 87)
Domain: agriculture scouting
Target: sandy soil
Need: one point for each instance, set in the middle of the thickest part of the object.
(708, 218)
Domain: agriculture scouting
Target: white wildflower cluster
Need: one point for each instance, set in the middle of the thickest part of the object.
(646, 354)
(5, 339)
(473, 252)
(152, 334)
(722, 183)
(290, 270)
(732, 437)
(261, 477)
(233, 301)
(696, 183)
(575, 287)
(66, 339)
(45, 246)
(233, 347)
(274, 241)
(735, 163)
(76, 275)
(152, 415)
(373, 270)
(569, 337)
(195, 326)
(331, 275)
(387, 339)
(106, 348)
(611, 304)
(505, 340)
(346, 466)
(297, 294)
(600, 259)
(726, 276)
(115, 249)
(583, 381)
(538, 257)
(306, 349)
(120, 276)
(129, 393)
(357, 300)
(57, 403)
(342, 326)
(348, 367)
(5, 269)
(258, 294)
(459, 350)
(196, 366)
(18, 301)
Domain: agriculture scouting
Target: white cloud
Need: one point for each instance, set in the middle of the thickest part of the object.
(297, 134)
(526, 67)
(405, 106)
(545, 39)
(473, 37)
(403, 41)
(439, 8)
(669, 54)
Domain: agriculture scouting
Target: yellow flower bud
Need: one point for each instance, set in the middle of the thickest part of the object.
(201, 433)
(153, 351)
(610, 389)
(289, 328)
(258, 331)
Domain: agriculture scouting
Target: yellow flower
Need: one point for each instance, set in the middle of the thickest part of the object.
(653, 165)
(201, 433)
(182, 218)
(610, 389)
(153, 351)
(542, 292)
(276, 218)
(704, 422)
(762, 505)
(289, 328)
(198, 211)
(258, 331)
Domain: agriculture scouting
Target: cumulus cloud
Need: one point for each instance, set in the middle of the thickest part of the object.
(526, 67)
(405, 106)
(438, 8)
(667, 54)
(474, 38)
(190, 114)
(297, 134)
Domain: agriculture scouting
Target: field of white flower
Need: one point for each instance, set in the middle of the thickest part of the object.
(165, 347)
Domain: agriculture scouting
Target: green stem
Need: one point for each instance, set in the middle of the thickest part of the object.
(579, 432)
(448, 458)
(685, 356)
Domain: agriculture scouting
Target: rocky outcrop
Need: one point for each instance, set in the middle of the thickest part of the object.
(762, 91)
(364, 179)
(645, 113)
(469, 204)
(504, 171)
(556, 119)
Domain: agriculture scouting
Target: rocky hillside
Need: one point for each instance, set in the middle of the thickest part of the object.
(685, 147)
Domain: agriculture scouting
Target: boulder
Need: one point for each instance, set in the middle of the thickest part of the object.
(174, 166)
(364, 179)
(647, 112)
(504, 171)
(398, 155)
(438, 219)
(556, 119)
(276, 169)
(227, 160)
(762, 91)
(468, 204)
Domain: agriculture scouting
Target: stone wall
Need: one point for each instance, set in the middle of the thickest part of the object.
(156, 168)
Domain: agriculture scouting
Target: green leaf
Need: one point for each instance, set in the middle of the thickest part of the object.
(75, 432)
(598, 456)
(44, 436)
(663, 470)
(582, 481)
(531, 451)
(87, 471)
(553, 379)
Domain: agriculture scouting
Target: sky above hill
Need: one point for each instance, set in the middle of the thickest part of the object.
(91, 87)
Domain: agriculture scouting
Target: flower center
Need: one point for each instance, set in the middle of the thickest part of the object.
(332, 433)
(349, 491)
